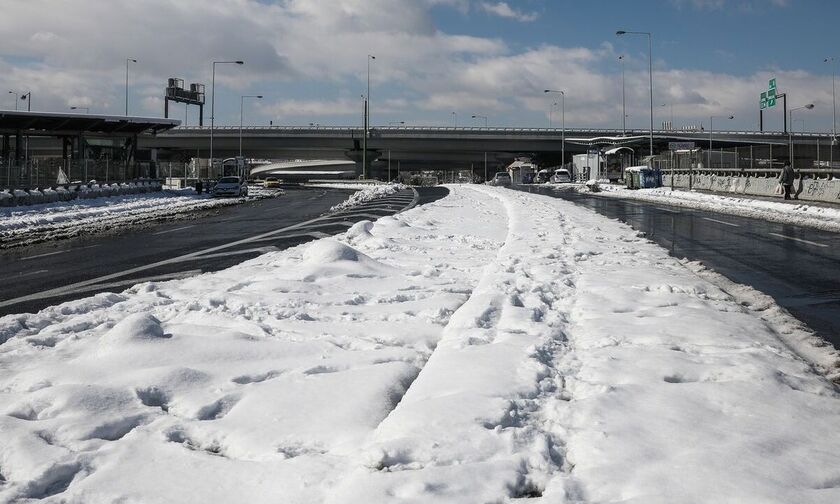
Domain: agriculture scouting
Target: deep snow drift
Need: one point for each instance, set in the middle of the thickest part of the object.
(493, 345)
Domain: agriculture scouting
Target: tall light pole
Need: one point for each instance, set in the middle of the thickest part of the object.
(650, 72)
(790, 135)
(623, 100)
(213, 106)
(833, 98)
(16, 98)
(455, 119)
(28, 98)
(711, 127)
(562, 94)
(241, 103)
(477, 116)
(127, 61)
(86, 109)
(367, 118)
(671, 105)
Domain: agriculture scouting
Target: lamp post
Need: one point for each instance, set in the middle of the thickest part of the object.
(562, 94)
(86, 109)
(16, 98)
(650, 72)
(477, 116)
(28, 98)
(213, 107)
(367, 118)
(711, 127)
(127, 61)
(790, 134)
(623, 100)
(455, 119)
(241, 103)
(833, 98)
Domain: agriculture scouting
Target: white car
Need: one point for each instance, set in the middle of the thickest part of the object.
(231, 186)
(561, 176)
(501, 179)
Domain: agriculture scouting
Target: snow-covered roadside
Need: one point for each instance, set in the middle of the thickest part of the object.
(488, 346)
(368, 193)
(802, 214)
(35, 223)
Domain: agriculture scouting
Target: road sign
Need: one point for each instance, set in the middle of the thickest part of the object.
(674, 146)
(768, 98)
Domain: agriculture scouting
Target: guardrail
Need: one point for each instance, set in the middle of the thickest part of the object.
(68, 192)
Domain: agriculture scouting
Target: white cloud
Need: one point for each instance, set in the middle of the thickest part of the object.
(502, 9)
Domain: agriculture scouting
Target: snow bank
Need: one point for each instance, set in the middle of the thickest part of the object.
(64, 219)
(369, 193)
(802, 214)
(490, 346)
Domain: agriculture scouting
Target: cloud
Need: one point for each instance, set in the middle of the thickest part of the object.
(502, 9)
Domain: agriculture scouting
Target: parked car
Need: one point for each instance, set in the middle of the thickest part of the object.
(561, 176)
(542, 177)
(501, 179)
(231, 186)
(271, 182)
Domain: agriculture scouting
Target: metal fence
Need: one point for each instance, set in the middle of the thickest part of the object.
(820, 159)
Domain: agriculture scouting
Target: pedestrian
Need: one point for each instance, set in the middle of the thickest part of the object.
(786, 179)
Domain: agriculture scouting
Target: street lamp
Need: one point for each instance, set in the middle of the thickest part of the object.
(213, 105)
(650, 72)
(455, 119)
(86, 109)
(711, 127)
(28, 98)
(477, 116)
(562, 94)
(833, 99)
(16, 98)
(790, 134)
(623, 100)
(367, 118)
(127, 61)
(241, 103)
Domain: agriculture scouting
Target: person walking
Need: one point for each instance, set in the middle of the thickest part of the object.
(786, 178)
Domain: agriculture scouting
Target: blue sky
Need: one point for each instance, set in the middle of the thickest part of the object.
(433, 57)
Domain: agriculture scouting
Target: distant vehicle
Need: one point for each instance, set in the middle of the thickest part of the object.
(561, 176)
(542, 177)
(231, 186)
(501, 179)
(271, 182)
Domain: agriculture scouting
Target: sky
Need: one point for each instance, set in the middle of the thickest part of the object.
(308, 58)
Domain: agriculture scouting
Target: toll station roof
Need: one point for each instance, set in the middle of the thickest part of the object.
(64, 124)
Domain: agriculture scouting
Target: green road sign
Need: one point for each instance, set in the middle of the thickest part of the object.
(763, 101)
(768, 98)
(771, 102)
(772, 84)
(771, 94)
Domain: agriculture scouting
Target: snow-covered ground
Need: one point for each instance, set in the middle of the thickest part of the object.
(801, 214)
(490, 346)
(368, 193)
(35, 223)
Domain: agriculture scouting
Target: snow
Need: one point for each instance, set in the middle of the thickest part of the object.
(490, 346)
(800, 214)
(20, 225)
(369, 193)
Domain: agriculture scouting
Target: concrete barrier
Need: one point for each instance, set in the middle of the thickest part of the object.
(19, 197)
(806, 188)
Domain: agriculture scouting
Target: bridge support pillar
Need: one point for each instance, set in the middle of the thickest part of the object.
(356, 155)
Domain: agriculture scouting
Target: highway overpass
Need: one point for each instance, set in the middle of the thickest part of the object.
(435, 147)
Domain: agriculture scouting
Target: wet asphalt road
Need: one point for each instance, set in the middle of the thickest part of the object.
(799, 267)
(50, 273)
